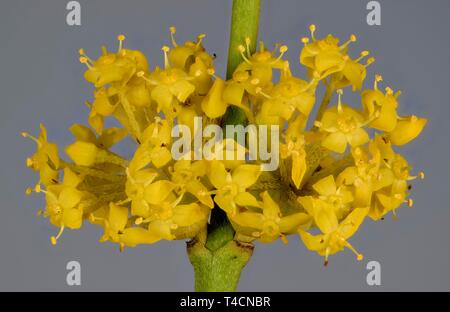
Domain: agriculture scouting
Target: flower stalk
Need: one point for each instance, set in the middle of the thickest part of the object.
(216, 256)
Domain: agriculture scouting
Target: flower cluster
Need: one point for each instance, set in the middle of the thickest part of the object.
(336, 170)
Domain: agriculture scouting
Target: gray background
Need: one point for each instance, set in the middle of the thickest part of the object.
(42, 81)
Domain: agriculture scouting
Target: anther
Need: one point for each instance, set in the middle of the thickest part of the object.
(200, 39)
(389, 91)
(173, 30)
(421, 175)
(362, 55)
(254, 81)
(312, 29)
(305, 40)
(370, 61)
(121, 38)
(410, 202)
(29, 162)
(54, 239)
(28, 191)
(283, 49)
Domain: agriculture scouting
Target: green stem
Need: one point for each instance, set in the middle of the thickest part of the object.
(325, 101)
(244, 24)
(216, 256)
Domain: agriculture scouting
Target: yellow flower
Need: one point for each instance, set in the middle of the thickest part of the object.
(113, 67)
(231, 186)
(179, 221)
(137, 182)
(261, 63)
(46, 159)
(240, 84)
(107, 139)
(366, 177)
(382, 108)
(324, 56)
(118, 229)
(171, 86)
(154, 147)
(340, 197)
(352, 74)
(187, 177)
(150, 196)
(289, 96)
(65, 203)
(270, 224)
(407, 129)
(392, 196)
(184, 56)
(334, 235)
(294, 148)
(342, 125)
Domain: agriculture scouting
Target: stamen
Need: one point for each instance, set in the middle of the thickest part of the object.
(262, 48)
(305, 40)
(166, 50)
(339, 106)
(82, 53)
(200, 39)
(283, 49)
(378, 78)
(247, 44)
(121, 202)
(409, 202)
(121, 38)
(84, 60)
(362, 55)
(29, 162)
(315, 78)
(327, 254)
(241, 49)
(177, 201)
(259, 90)
(389, 91)
(141, 74)
(350, 40)
(284, 239)
(54, 239)
(318, 124)
(369, 61)
(29, 136)
(359, 256)
(312, 29)
(173, 30)
(138, 221)
(121, 247)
